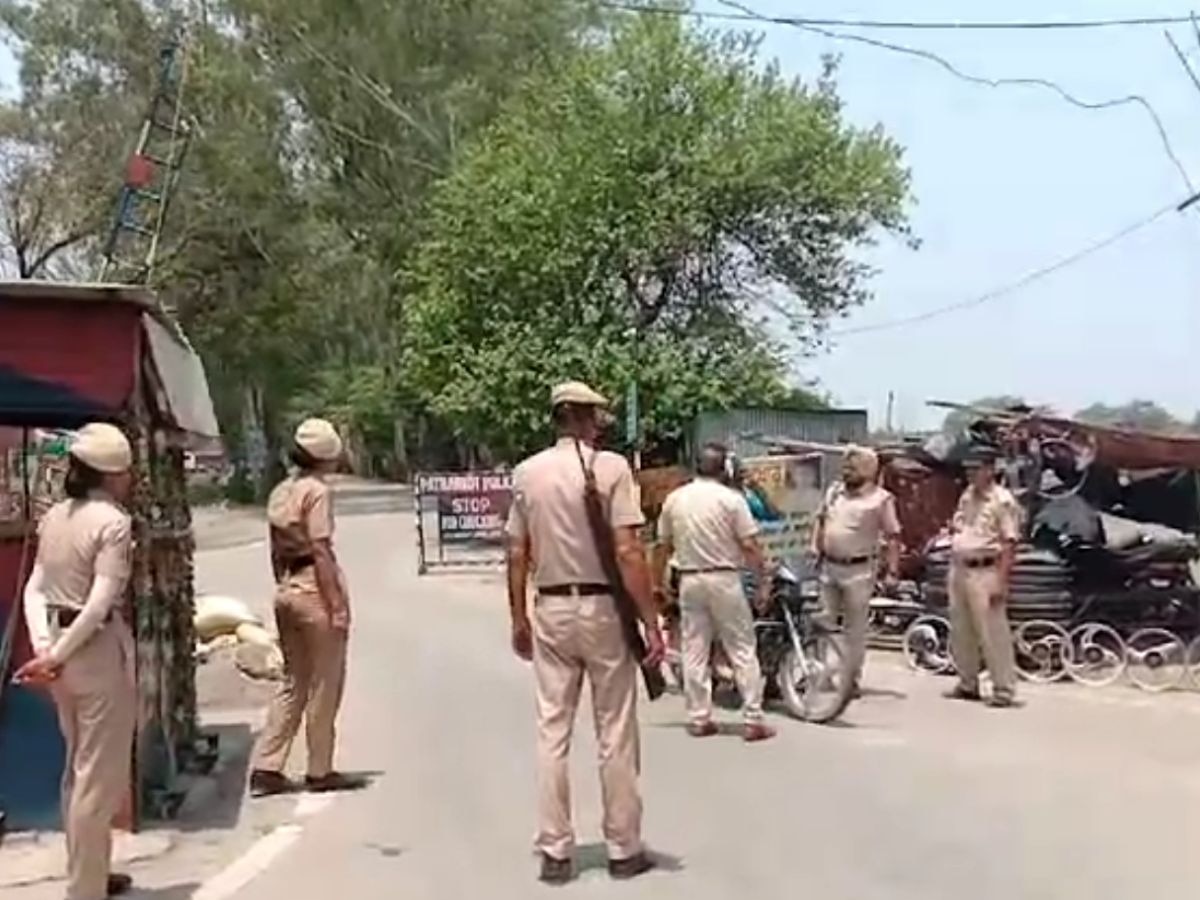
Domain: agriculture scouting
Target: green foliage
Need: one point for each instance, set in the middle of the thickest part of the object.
(641, 210)
(558, 196)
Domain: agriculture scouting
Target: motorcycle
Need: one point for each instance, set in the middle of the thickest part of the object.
(803, 657)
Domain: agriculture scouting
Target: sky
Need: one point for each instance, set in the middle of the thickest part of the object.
(1008, 180)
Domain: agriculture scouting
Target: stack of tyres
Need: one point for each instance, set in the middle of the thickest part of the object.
(1040, 587)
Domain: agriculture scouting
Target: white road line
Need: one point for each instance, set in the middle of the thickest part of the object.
(249, 865)
(263, 853)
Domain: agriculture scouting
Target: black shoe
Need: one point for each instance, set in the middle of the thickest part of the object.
(624, 869)
(961, 693)
(333, 782)
(556, 871)
(119, 884)
(1002, 701)
(264, 783)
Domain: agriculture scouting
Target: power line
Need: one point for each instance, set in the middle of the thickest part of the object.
(1022, 282)
(942, 62)
(904, 24)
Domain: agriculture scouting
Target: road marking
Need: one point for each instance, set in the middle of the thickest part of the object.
(263, 853)
(249, 865)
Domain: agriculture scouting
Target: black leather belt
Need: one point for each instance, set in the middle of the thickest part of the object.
(982, 562)
(298, 564)
(575, 590)
(848, 560)
(64, 617)
(708, 570)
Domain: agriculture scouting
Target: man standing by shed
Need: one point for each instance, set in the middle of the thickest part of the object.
(984, 534)
(857, 517)
(576, 629)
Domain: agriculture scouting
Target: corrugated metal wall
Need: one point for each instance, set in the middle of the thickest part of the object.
(735, 427)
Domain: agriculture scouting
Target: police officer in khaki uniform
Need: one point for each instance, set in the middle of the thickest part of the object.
(984, 534)
(85, 651)
(856, 518)
(312, 614)
(709, 528)
(575, 630)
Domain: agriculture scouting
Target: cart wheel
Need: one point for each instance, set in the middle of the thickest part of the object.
(926, 645)
(1095, 655)
(1157, 659)
(1042, 648)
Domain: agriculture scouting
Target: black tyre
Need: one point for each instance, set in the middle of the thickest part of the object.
(819, 687)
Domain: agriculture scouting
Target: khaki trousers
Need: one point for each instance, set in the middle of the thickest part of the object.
(714, 605)
(977, 622)
(846, 596)
(314, 662)
(96, 700)
(574, 637)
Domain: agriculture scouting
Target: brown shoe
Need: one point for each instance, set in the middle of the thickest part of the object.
(703, 729)
(625, 869)
(757, 732)
(556, 871)
(264, 783)
(334, 782)
(119, 884)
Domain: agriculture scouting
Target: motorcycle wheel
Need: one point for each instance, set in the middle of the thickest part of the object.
(819, 688)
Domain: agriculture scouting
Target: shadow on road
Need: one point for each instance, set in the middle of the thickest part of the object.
(174, 892)
(593, 857)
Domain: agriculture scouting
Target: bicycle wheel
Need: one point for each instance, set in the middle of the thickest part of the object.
(1041, 651)
(1095, 655)
(1156, 659)
(926, 645)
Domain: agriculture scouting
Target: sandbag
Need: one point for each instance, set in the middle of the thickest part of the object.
(262, 662)
(253, 633)
(216, 615)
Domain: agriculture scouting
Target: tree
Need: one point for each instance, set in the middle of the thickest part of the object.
(1136, 415)
(636, 213)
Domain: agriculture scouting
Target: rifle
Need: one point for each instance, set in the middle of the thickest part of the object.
(606, 549)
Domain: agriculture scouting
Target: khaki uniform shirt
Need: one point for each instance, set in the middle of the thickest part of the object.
(300, 510)
(547, 507)
(705, 522)
(983, 523)
(855, 524)
(77, 541)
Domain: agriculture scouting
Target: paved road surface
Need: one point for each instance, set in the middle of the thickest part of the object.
(1079, 795)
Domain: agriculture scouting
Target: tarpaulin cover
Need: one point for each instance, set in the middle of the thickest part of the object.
(65, 363)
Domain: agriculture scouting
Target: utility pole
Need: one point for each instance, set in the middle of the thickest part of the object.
(891, 405)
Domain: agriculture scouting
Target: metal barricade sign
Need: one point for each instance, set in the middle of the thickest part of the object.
(462, 515)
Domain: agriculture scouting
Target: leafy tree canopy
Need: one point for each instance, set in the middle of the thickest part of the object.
(641, 210)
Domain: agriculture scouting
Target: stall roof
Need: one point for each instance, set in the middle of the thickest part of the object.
(48, 383)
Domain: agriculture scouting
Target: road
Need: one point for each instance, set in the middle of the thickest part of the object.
(1079, 794)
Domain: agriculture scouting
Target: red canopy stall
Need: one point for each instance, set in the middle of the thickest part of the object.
(70, 354)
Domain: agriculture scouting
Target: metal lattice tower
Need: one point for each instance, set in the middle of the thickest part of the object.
(151, 175)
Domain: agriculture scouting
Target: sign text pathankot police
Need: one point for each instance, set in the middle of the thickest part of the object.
(472, 506)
